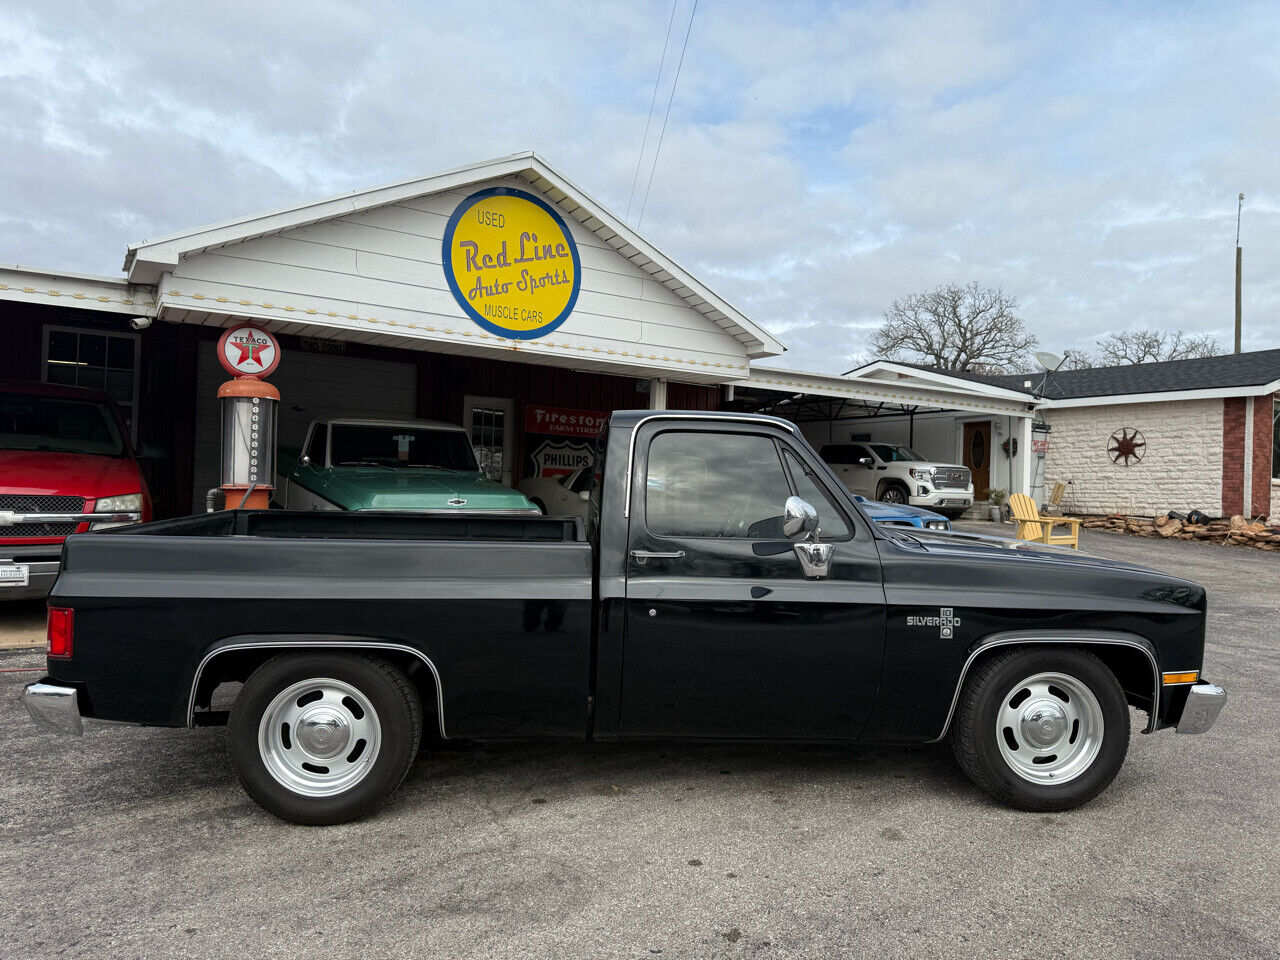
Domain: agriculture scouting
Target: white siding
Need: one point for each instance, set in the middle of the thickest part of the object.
(313, 386)
(1181, 468)
(386, 264)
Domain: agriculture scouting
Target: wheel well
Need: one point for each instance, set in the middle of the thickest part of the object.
(894, 482)
(537, 502)
(1131, 666)
(235, 667)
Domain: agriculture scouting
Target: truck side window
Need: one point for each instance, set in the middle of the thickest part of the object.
(831, 523)
(315, 448)
(714, 485)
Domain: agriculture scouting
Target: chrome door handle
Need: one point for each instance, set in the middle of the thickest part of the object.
(643, 555)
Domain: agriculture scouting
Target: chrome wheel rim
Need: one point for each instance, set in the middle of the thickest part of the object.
(1049, 728)
(893, 495)
(319, 737)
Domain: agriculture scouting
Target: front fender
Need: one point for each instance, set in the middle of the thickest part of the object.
(1072, 638)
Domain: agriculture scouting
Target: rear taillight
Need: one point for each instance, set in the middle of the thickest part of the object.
(61, 627)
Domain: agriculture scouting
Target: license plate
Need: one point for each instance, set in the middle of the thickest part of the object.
(14, 575)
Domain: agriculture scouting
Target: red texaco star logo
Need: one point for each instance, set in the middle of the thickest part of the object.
(250, 351)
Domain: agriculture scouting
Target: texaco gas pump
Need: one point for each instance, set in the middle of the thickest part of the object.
(249, 407)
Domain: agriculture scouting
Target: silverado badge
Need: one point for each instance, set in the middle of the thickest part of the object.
(946, 622)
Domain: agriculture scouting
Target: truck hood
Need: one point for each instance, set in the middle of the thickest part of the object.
(1017, 565)
(46, 473)
(375, 488)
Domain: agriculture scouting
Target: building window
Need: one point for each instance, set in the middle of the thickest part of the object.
(488, 427)
(99, 360)
(1275, 439)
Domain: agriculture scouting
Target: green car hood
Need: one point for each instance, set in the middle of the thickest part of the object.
(413, 488)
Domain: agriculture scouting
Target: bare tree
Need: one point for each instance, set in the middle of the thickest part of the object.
(970, 329)
(1152, 346)
(1074, 358)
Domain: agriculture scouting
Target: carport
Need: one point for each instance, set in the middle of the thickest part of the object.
(939, 415)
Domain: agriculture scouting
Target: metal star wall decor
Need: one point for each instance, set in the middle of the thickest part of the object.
(1128, 445)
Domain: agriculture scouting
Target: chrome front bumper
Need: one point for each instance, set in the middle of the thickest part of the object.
(55, 709)
(1204, 702)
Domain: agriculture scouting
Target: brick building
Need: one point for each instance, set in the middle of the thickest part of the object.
(1181, 435)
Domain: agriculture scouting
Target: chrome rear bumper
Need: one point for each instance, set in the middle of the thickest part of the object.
(55, 709)
(1204, 702)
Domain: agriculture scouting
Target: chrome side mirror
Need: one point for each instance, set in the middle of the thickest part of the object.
(799, 519)
(866, 461)
(305, 459)
(800, 523)
(584, 496)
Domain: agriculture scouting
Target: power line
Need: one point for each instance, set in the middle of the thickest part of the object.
(652, 100)
(658, 149)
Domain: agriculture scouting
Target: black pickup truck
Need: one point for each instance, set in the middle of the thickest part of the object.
(725, 586)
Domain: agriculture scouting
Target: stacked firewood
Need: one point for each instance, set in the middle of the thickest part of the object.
(1237, 531)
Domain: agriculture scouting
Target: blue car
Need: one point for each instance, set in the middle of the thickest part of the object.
(902, 515)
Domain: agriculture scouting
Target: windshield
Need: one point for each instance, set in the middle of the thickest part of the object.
(891, 452)
(58, 425)
(392, 446)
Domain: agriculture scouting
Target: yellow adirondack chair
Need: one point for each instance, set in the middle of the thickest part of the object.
(1032, 526)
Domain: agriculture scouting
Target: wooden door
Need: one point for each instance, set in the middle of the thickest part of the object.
(977, 456)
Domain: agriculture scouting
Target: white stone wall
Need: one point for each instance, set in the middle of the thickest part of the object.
(1181, 468)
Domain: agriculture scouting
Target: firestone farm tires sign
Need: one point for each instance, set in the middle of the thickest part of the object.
(511, 263)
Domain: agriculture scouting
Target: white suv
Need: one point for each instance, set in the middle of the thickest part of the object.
(895, 474)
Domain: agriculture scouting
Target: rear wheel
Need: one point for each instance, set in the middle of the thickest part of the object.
(319, 738)
(1042, 729)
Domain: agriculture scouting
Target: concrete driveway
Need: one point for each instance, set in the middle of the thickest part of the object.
(140, 843)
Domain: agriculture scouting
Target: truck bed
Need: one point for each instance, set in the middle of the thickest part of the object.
(361, 525)
(499, 606)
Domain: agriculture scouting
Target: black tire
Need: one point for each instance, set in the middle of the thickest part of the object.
(998, 681)
(397, 713)
(902, 493)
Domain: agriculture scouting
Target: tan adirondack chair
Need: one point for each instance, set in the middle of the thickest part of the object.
(1032, 526)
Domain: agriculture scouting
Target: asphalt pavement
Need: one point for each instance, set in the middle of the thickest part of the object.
(139, 842)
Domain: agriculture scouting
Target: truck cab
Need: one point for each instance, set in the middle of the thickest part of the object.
(67, 465)
(419, 465)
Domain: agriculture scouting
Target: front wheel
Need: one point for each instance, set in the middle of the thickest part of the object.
(1042, 729)
(893, 493)
(320, 738)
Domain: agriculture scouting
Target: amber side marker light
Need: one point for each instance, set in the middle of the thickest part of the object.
(1189, 676)
(59, 634)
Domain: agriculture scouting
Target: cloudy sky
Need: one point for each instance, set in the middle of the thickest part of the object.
(820, 160)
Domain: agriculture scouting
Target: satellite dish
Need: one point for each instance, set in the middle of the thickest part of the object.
(1050, 361)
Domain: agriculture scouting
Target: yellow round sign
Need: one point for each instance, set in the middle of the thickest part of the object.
(511, 263)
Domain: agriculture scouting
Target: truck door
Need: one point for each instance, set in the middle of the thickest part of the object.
(724, 635)
(863, 477)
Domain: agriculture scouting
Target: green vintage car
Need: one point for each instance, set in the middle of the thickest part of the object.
(418, 465)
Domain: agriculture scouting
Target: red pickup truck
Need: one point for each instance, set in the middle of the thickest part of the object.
(66, 466)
